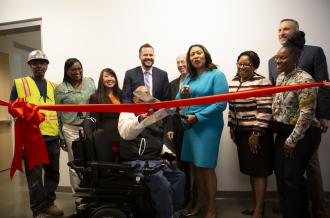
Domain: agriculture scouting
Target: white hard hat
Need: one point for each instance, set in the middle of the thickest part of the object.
(37, 55)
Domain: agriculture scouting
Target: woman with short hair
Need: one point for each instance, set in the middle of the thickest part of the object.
(249, 121)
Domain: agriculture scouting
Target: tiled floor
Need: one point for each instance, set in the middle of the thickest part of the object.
(14, 202)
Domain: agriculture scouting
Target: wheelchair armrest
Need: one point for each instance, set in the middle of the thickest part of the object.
(113, 166)
(74, 165)
(147, 171)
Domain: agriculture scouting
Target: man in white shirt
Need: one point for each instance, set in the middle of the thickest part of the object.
(143, 143)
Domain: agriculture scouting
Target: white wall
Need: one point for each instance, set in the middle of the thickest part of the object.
(108, 33)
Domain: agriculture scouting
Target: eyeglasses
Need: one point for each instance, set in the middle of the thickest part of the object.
(243, 65)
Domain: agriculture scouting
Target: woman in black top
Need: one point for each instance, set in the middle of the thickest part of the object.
(108, 92)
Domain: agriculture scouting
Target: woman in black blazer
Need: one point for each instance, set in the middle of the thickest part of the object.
(108, 92)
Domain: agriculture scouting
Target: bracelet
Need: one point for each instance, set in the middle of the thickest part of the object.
(256, 134)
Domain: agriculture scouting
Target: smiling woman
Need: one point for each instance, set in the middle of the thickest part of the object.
(202, 136)
(108, 92)
(298, 132)
(249, 121)
(75, 89)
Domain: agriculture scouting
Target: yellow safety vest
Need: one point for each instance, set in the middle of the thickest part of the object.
(28, 89)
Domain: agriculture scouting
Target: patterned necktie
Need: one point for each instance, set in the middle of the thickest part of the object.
(147, 79)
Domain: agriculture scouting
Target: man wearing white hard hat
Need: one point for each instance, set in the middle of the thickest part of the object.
(37, 90)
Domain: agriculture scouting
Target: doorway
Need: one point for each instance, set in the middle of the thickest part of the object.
(17, 39)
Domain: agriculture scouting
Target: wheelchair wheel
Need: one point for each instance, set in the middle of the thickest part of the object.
(144, 207)
(107, 212)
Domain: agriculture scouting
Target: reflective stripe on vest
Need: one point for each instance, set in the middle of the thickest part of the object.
(28, 89)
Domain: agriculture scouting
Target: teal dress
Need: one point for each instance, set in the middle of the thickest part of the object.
(201, 140)
(66, 94)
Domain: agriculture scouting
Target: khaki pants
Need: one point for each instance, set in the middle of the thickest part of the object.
(70, 134)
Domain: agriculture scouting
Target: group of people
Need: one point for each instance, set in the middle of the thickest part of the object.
(296, 119)
(191, 136)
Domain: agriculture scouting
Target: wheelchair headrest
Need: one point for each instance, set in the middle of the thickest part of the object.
(95, 144)
(89, 127)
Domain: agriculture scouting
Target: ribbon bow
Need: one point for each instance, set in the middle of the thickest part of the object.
(27, 135)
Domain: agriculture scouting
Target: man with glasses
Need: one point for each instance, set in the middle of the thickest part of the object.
(37, 90)
(313, 61)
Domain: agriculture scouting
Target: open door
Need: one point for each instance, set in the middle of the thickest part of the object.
(17, 39)
(6, 151)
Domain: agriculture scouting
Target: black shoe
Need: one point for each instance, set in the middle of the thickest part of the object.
(190, 213)
(277, 210)
(251, 211)
(248, 212)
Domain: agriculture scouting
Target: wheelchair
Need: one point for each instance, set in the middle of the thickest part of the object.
(107, 189)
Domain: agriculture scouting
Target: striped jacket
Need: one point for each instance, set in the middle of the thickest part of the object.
(250, 114)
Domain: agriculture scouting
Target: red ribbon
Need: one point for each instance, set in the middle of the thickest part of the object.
(143, 108)
(27, 135)
(28, 117)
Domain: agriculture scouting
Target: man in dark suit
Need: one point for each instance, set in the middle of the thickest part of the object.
(182, 68)
(155, 79)
(313, 61)
(174, 126)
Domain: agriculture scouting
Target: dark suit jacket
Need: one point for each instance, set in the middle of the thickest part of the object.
(175, 85)
(313, 61)
(134, 78)
(174, 122)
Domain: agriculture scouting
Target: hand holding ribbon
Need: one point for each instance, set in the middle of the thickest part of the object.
(27, 130)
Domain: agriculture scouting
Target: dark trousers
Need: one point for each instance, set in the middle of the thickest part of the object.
(166, 187)
(42, 188)
(184, 166)
(291, 183)
(315, 187)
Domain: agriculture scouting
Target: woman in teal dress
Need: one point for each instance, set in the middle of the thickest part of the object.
(205, 123)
